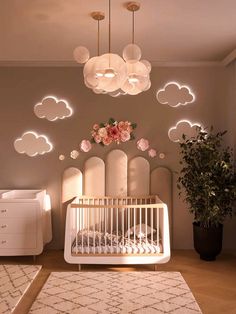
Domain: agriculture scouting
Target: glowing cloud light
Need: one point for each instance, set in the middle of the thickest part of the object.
(32, 144)
(174, 95)
(186, 127)
(52, 109)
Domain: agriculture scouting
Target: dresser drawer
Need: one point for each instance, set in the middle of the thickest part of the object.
(16, 210)
(17, 241)
(18, 225)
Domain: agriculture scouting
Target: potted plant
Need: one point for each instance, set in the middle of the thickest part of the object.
(209, 182)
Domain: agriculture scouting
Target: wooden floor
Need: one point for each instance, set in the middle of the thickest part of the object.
(212, 283)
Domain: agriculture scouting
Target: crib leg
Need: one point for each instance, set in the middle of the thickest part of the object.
(79, 267)
(155, 267)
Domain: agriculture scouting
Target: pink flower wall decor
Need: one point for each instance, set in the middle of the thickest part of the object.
(85, 146)
(142, 144)
(113, 132)
(152, 153)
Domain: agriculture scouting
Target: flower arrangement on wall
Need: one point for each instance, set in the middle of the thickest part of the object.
(113, 132)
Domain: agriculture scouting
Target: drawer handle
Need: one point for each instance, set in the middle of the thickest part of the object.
(3, 210)
(3, 226)
(3, 241)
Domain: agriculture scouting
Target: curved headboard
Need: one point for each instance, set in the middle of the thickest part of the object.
(118, 177)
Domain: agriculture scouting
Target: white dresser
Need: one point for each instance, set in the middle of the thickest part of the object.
(25, 222)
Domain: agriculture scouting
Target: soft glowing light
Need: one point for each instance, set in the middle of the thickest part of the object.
(110, 73)
(183, 127)
(174, 94)
(47, 203)
(133, 78)
(32, 144)
(52, 108)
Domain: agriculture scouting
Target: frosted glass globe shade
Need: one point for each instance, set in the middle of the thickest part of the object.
(147, 86)
(115, 72)
(91, 66)
(147, 64)
(136, 69)
(142, 82)
(132, 53)
(91, 81)
(81, 54)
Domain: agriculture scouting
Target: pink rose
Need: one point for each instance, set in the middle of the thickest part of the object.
(152, 153)
(95, 126)
(114, 133)
(142, 144)
(121, 126)
(85, 146)
(107, 140)
(125, 126)
(97, 138)
(125, 136)
(102, 132)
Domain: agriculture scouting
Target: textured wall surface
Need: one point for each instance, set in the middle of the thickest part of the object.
(22, 88)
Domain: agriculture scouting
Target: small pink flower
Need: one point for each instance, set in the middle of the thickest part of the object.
(152, 153)
(107, 140)
(125, 136)
(102, 132)
(142, 144)
(95, 126)
(125, 126)
(85, 146)
(97, 138)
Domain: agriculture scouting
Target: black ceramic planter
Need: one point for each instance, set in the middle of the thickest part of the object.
(207, 241)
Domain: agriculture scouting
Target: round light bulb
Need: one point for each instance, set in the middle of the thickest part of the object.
(81, 54)
(132, 53)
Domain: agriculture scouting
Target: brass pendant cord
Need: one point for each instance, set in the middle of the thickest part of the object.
(109, 30)
(133, 29)
(109, 33)
(98, 47)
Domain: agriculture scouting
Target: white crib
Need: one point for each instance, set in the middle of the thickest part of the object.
(106, 230)
(117, 229)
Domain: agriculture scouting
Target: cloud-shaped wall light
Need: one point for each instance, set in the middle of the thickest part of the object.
(32, 144)
(174, 95)
(52, 109)
(186, 127)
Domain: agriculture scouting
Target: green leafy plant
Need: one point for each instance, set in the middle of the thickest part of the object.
(208, 177)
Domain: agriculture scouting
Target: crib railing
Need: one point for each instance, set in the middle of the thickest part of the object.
(118, 226)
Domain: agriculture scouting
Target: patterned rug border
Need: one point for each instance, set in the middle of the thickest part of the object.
(10, 298)
(65, 292)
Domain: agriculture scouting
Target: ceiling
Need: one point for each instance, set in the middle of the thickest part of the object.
(47, 31)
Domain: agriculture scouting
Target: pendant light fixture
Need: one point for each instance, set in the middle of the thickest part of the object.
(111, 74)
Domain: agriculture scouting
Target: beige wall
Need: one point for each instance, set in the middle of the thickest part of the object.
(21, 88)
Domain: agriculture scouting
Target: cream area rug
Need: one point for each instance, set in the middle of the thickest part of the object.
(115, 292)
(14, 282)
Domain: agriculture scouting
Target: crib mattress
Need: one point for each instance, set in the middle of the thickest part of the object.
(104, 243)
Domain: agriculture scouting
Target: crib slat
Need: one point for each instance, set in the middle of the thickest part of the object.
(76, 234)
(82, 216)
(146, 224)
(152, 225)
(140, 225)
(157, 228)
(117, 216)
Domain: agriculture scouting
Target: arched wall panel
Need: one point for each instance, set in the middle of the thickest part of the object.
(138, 177)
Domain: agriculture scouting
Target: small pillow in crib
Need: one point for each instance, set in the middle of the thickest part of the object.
(140, 234)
